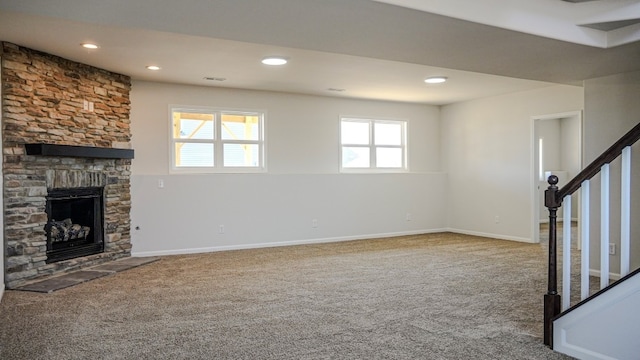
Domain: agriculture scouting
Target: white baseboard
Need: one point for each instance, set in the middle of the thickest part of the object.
(612, 276)
(493, 236)
(277, 244)
(546, 220)
(1, 291)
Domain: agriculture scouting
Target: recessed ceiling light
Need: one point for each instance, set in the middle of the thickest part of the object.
(336, 89)
(89, 46)
(435, 80)
(153, 67)
(274, 60)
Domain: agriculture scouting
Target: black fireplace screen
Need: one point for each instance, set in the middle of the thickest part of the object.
(75, 225)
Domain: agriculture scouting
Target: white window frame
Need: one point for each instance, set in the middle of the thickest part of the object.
(217, 141)
(372, 147)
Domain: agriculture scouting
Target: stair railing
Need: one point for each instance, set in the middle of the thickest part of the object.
(555, 303)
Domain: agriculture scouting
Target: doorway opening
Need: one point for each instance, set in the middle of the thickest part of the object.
(556, 150)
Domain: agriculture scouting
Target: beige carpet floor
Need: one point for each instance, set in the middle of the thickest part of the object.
(437, 296)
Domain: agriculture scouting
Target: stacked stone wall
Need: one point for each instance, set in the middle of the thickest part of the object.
(48, 99)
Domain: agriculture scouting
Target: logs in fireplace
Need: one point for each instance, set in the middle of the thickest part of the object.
(75, 226)
(66, 230)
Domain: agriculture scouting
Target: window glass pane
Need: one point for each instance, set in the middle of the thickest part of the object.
(388, 157)
(247, 155)
(240, 127)
(355, 132)
(193, 126)
(355, 157)
(388, 134)
(209, 139)
(194, 155)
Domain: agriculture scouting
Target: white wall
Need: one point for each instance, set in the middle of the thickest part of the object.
(488, 156)
(302, 183)
(571, 133)
(549, 130)
(611, 109)
(571, 145)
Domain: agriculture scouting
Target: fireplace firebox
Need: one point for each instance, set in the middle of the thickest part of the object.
(75, 223)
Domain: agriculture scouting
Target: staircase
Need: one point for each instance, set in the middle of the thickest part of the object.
(606, 324)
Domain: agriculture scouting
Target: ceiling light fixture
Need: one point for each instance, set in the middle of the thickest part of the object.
(214, 78)
(274, 60)
(435, 80)
(153, 67)
(89, 46)
(336, 89)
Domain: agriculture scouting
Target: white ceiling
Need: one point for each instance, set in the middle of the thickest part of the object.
(596, 23)
(371, 49)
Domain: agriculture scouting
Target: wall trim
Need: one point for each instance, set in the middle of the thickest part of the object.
(558, 221)
(493, 236)
(279, 243)
(1, 291)
(612, 276)
(135, 253)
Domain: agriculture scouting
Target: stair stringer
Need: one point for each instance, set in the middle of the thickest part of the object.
(605, 326)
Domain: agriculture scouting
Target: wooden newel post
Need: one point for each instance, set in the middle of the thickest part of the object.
(551, 299)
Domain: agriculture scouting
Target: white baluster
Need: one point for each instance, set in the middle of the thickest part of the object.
(566, 252)
(604, 226)
(584, 233)
(625, 210)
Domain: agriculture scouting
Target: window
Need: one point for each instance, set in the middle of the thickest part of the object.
(209, 140)
(368, 144)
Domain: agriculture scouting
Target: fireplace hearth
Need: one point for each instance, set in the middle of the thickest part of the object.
(75, 223)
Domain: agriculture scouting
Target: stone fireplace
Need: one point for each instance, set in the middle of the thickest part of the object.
(66, 165)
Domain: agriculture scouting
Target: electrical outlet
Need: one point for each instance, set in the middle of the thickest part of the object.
(612, 249)
(408, 217)
(497, 219)
(160, 183)
(221, 229)
(314, 223)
